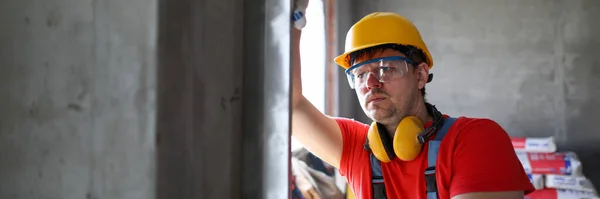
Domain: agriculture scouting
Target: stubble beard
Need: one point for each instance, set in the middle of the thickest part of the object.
(391, 116)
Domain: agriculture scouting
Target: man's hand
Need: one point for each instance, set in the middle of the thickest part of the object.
(299, 13)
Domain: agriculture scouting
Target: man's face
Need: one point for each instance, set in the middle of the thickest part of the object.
(389, 102)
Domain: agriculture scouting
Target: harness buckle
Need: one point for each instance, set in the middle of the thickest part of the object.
(430, 180)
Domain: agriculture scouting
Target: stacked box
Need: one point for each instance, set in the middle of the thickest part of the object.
(555, 175)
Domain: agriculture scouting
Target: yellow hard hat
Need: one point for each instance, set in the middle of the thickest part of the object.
(382, 28)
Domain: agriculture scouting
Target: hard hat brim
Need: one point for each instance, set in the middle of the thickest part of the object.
(344, 62)
(343, 59)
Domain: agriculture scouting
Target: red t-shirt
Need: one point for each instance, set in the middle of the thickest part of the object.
(476, 155)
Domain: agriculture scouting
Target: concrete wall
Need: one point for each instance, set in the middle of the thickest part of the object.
(77, 109)
(532, 66)
(144, 99)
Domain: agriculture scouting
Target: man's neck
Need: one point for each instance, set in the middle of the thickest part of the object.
(421, 114)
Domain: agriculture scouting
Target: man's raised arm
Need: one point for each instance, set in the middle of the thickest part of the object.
(319, 133)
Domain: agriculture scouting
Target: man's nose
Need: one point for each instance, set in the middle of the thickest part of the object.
(373, 81)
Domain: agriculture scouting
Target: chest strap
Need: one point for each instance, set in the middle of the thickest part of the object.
(377, 183)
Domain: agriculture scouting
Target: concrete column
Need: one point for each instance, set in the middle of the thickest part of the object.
(77, 111)
(223, 106)
(199, 99)
(266, 99)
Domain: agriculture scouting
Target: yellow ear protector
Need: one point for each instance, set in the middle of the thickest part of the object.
(408, 140)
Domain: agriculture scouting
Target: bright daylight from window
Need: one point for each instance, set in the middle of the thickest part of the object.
(312, 48)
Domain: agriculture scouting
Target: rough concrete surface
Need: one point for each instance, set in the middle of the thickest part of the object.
(199, 99)
(77, 109)
(532, 66)
(223, 99)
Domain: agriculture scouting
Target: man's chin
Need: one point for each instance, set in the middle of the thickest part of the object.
(379, 117)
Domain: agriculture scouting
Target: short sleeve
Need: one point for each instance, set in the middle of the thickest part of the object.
(485, 161)
(353, 138)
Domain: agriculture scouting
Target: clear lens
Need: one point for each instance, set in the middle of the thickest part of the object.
(350, 80)
(383, 69)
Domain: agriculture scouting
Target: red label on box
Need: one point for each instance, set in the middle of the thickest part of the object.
(549, 163)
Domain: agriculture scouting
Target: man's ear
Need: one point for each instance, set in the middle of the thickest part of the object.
(422, 74)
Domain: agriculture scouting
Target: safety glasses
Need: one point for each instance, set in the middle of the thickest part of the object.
(383, 69)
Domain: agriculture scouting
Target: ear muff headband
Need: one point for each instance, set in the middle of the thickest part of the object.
(438, 122)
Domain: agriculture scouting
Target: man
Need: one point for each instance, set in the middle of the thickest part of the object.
(388, 65)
